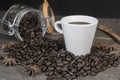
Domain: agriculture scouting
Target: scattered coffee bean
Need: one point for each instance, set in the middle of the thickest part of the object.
(84, 74)
(93, 74)
(52, 57)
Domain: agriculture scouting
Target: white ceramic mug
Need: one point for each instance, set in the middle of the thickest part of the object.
(78, 37)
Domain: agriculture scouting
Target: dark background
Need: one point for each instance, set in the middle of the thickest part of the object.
(97, 8)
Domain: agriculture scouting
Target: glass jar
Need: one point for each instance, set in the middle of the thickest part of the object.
(11, 20)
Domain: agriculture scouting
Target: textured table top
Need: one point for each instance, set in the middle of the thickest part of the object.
(17, 72)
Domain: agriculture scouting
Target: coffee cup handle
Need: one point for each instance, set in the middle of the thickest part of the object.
(57, 28)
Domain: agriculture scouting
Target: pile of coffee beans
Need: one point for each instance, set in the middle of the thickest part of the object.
(55, 61)
(53, 58)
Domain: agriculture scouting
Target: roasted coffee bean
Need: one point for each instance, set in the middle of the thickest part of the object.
(51, 68)
(74, 77)
(115, 64)
(73, 70)
(58, 69)
(86, 68)
(65, 62)
(108, 66)
(44, 68)
(81, 62)
(65, 68)
(68, 59)
(104, 68)
(93, 73)
(62, 54)
(94, 70)
(84, 74)
(88, 72)
(67, 76)
(80, 65)
(60, 64)
(48, 63)
(98, 68)
(49, 73)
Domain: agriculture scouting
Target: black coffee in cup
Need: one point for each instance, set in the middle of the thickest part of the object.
(79, 23)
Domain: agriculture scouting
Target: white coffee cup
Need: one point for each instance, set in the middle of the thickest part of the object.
(78, 37)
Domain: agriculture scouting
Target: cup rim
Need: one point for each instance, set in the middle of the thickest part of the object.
(95, 20)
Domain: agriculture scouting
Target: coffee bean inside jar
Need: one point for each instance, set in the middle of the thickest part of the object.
(29, 27)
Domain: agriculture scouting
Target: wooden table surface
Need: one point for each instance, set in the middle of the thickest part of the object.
(17, 72)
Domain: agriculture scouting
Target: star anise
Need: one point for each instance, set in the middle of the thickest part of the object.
(6, 45)
(112, 48)
(106, 47)
(9, 61)
(117, 53)
(2, 55)
(33, 69)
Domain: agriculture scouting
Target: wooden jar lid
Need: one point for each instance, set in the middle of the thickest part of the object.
(48, 12)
